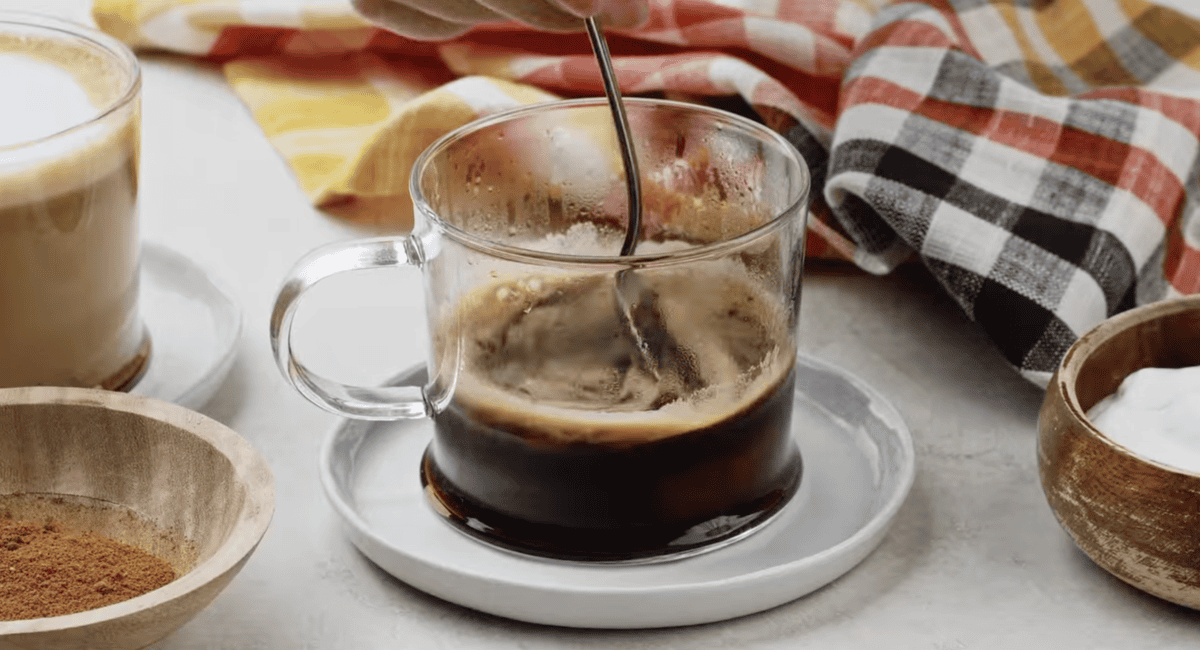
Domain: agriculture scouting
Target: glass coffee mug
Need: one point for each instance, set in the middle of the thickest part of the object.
(70, 137)
(576, 416)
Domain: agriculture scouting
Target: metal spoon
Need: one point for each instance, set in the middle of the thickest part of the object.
(631, 294)
(633, 180)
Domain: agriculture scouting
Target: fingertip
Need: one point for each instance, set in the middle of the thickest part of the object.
(623, 14)
(581, 8)
(546, 15)
(408, 22)
(368, 8)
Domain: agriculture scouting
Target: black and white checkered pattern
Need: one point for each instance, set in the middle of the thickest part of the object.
(1001, 190)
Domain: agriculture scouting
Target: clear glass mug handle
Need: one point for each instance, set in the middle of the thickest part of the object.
(359, 402)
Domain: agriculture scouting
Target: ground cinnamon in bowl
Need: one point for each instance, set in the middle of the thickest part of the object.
(51, 570)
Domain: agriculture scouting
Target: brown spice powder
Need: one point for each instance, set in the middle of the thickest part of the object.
(49, 570)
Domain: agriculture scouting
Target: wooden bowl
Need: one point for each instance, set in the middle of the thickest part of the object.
(1136, 518)
(148, 473)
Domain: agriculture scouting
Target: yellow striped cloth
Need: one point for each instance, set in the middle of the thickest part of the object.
(329, 91)
(352, 135)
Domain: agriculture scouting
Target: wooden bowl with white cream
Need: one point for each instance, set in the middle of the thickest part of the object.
(1130, 495)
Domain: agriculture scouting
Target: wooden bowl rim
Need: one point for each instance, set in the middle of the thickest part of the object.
(249, 466)
(1079, 352)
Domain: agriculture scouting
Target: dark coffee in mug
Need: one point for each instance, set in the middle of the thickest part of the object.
(560, 441)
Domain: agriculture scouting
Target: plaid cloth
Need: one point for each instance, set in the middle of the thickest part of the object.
(1039, 156)
(1040, 159)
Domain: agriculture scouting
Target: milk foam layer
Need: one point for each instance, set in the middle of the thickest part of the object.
(548, 354)
(51, 140)
(44, 99)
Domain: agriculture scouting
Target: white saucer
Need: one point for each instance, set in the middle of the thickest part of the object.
(858, 468)
(194, 327)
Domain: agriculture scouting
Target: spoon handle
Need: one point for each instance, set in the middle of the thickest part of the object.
(633, 179)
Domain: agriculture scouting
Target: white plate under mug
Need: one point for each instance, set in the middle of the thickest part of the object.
(859, 467)
(194, 325)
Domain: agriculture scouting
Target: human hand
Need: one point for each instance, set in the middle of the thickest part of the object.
(440, 19)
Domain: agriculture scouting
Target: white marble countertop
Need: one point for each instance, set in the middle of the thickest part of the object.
(975, 558)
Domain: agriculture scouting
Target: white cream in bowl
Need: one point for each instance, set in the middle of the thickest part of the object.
(1155, 413)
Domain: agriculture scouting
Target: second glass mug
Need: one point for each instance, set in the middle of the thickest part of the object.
(69, 242)
(554, 435)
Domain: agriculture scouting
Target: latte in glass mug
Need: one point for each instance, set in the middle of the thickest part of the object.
(69, 146)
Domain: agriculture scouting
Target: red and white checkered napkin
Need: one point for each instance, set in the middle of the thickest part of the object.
(1040, 157)
(1041, 160)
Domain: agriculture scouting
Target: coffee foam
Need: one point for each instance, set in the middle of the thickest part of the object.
(49, 101)
(49, 143)
(741, 358)
(565, 424)
(585, 238)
